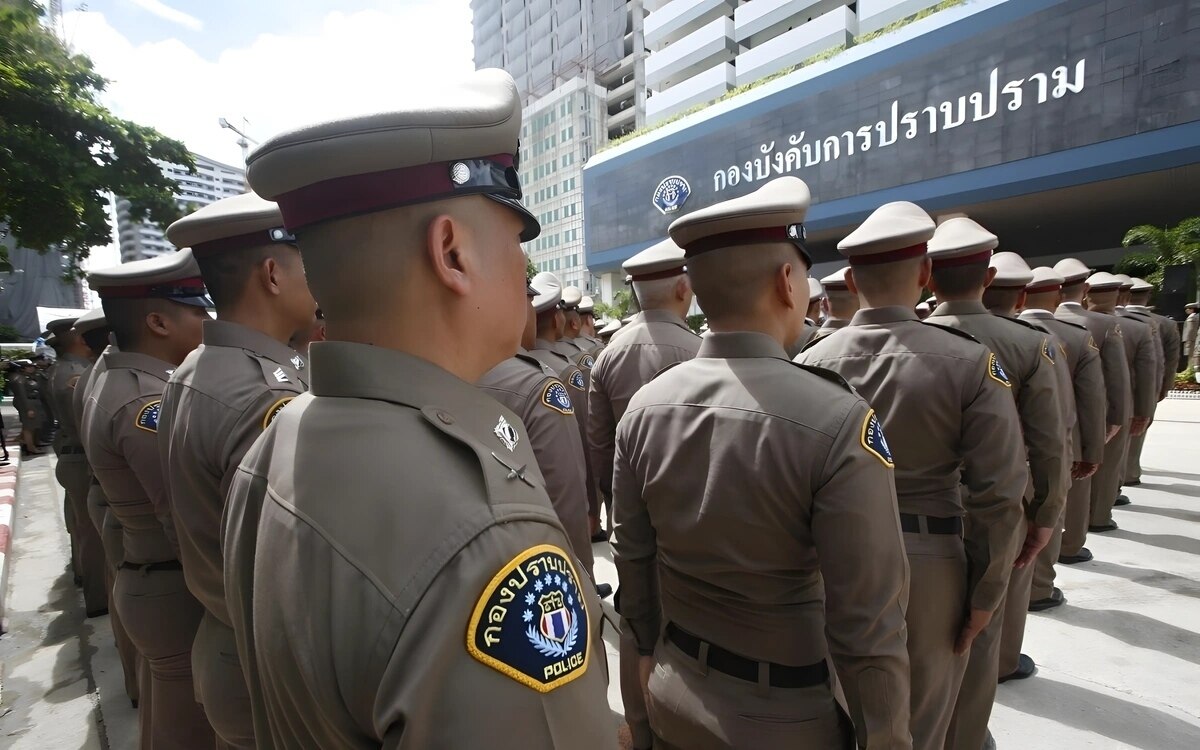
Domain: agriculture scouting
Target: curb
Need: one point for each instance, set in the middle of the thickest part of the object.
(8, 501)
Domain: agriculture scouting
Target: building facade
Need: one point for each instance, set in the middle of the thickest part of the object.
(211, 182)
(36, 280)
(1058, 124)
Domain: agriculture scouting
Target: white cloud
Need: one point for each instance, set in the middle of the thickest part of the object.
(167, 13)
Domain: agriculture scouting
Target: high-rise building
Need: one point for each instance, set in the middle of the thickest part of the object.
(211, 182)
(36, 279)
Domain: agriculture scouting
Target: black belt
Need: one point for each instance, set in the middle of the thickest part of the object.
(71, 450)
(911, 523)
(781, 676)
(150, 567)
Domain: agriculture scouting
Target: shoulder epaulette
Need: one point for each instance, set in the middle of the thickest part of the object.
(955, 331)
(668, 367)
(1025, 323)
(829, 375)
(535, 362)
(1080, 326)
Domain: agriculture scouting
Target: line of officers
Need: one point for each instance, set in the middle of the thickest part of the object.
(385, 540)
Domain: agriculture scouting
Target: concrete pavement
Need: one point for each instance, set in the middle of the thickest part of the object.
(1118, 664)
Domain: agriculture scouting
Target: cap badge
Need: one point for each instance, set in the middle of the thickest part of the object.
(671, 194)
(298, 362)
(796, 231)
(460, 173)
(507, 434)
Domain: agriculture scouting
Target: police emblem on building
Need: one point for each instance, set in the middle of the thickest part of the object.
(671, 194)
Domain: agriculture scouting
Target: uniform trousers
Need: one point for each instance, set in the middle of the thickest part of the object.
(161, 616)
(221, 684)
(632, 696)
(693, 707)
(1042, 577)
(1106, 482)
(72, 473)
(112, 541)
(937, 606)
(1132, 467)
(1016, 613)
(1075, 522)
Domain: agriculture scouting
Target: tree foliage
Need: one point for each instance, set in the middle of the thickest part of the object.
(1164, 246)
(62, 152)
(622, 305)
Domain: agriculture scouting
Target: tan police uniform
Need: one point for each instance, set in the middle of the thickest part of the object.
(1082, 362)
(653, 340)
(1191, 329)
(587, 342)
(940, 384)
(216, 404)
(756, 530)
(120, 430)
(833, 284)
(1168, 346)
(402, 505)
(27, 400)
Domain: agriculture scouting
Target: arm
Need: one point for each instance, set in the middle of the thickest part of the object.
(1089, 403)
(1116, 377)
(247, 429)
(856, 528)
(1045, 441)
(635, 546)
(139, 447)
(602, 428)
(1170, 344)
(1145, 378)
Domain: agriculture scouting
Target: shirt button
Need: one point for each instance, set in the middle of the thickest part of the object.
(445, 418)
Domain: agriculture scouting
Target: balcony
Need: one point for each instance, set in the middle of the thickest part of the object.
(834, 28)
(699, 51)
(676, 19)
(700, 88)
(873, 15)
(766, 19)
(620, 119)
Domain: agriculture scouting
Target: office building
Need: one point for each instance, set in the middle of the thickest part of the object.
(35, 280)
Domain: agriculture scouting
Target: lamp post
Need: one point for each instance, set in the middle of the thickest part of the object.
(243, 140)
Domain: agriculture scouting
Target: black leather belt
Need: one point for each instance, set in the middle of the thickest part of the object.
(781, 676)
(911, 523)
(150, 567)
(71, 450)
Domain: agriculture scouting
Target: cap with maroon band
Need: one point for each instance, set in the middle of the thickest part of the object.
(1073, 271)
(240, 222)
(960, 242)
(1126, 281)
(1141, 285)
(174, 276)
(659, 261)
(90, 321)
(1045, 279)
(893, 232)
(1103, 281)
(586, 305)
(461, 141)
(836, 281)
(1012, 272)
(549, 292)
(571, 297)
(772, 214)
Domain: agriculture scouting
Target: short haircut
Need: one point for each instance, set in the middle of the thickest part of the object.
(656, 294)
(226, 274)
(876, 280)
(958, 281)
(97, 339)
(127, 318)
(1004, 298)
(1140, 298)
(729, 281)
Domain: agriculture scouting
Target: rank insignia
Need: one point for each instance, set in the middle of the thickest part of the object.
(1048, 351)
(147, 416)
(577, 380)
(554, 395)
(273, 412)
(1092, 343)
(996, 372)
(874, 441)
(507, 434)
(531, 622)
(587, 361)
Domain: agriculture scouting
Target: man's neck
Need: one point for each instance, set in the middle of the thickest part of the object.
(260, 319)
(157, 351)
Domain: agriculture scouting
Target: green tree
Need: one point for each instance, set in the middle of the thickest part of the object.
(1164, 246)
(62, 152)
(530, 269)
(622, 305)
(9, 335)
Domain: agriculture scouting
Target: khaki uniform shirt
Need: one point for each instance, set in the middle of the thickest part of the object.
(831, 325)
(1168, 339)
(807, 335)
(750, 511)
(1087, 383)
(1191, 330)
(27, 400)
(215, 406)
(120, 431)
(656, 339)
(571, 372)
(531, 390)
(1145, 377)
(947, 405)
(67, 372)
(413, 586)
(1028, 357)
(1106, 332)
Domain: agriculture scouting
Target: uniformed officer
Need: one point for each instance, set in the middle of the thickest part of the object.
(569, 344)
(533, 392)
(587, 309)
(1042, 296)
(812, 317)
(92, 328)
(215, 406)
(1191, 333)
(1156, 344)
(44, 373)
(27, 400)
(839, 304)
(72, 469)
(45, 381)
(1103, 292)
(1106, 334)
(1137, 308)
(451, 610)
(607, 330)
(744, 569)
(156, 309)
(942, 385)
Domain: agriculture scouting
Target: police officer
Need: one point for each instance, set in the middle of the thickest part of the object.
(569, 344)
(1106, 334)
(655, 338)
(1082, 362)
(607, 330)
(839, 303)
(214, 407)
(587, 319)
(961, 250)
(941, 384)
(27, 400)
(744, 561)
(1168, 343)
(156, 309)
(1191, 331)
(812, 317)
(451, 610)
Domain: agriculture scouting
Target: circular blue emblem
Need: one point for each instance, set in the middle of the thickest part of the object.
(671, 194)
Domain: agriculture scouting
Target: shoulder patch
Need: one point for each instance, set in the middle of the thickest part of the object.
(826, 374)
(531, 622)
(274, 410)
(996, 371)
(147, 416)
(1092, 343)
(874, 441)
(554, 395)
(577, 381)
(950, 329)
(1048, 351)
(587, 361)
(1117, 329)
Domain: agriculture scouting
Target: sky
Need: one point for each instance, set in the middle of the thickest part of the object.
(267, 65)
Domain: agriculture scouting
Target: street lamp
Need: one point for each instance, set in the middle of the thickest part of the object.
(244, 140)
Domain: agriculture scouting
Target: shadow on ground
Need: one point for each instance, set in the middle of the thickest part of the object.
(1158, 579)
(1133, 628)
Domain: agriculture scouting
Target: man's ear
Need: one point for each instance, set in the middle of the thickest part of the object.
(683, 287)
(268, 275)
(851, 284)
(158, 324)
(784, 287)
(926, 278)
(449, 253)
(991, 276)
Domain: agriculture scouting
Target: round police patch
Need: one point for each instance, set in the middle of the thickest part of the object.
(554, 395)
(147, 416)
(576, 380)
(273, 412)
(587, 361)
(1048, 351)
(874, 441)
(531, 622)
(996, 372)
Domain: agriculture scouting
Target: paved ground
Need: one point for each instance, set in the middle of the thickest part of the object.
(1118, 664)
